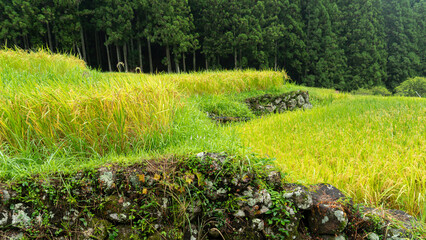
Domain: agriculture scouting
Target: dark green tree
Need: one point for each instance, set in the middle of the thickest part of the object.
(420, 35)
(362, 28)
(326, 63)
(66, 27)
(292, 54)
(170, 25)
(115, 18)
(400, 25)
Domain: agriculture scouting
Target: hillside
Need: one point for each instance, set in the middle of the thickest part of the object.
(58, 116)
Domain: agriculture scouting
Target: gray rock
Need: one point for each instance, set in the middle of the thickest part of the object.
(17, 236)
(258, 224)
(373, 236)
(327, 216)
(327, 219)
(116, 209)
(118, 217)
(292, 104)
(4, 218)
(282, 107)
(333, 237)
(20, 217)
(240, 213)
(4, 196)
(307, 106)
(278, 100)
(300, 100)
(274, 178)
(299, 195)
(193, 232)
(106, 180)
(270, 108)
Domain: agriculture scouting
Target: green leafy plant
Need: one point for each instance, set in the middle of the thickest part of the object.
(413, 87)
(376, 90)
(280, 216)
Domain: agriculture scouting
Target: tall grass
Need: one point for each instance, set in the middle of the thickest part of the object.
(373, 148)
(220, 82)
(55, 112)
(54, 108)
(52, 103)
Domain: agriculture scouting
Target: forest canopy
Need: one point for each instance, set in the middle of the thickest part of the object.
(342, 44)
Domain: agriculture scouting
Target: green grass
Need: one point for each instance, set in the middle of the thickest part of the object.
(57, 115)
(373, 148)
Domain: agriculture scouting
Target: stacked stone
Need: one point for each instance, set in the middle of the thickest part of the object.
(277, 104)
(91, 204)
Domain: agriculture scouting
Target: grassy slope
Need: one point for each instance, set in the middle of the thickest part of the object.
(65, 117)
(59, 115)
(373, 148)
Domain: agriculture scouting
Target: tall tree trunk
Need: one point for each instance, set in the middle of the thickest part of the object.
(177, 63)
(140, 55)
(194, 61)
(49, 36)
(169, 61)
(83, 43)
(125, 57)
(218, 62)
(56, 44)
(207, 63)
(241, 58)
(131, 50)
(235, 58)
(25, 40)
(117, 50)
(184, 62)
(149, 55)
(79, 53)
(108, 55)
(98, 50)
(276, 57)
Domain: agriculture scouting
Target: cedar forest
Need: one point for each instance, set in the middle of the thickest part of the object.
(341, 44)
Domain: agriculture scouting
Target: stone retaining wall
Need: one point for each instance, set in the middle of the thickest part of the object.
(281, 103)
(197, 197)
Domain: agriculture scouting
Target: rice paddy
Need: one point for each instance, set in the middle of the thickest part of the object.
(58, 115)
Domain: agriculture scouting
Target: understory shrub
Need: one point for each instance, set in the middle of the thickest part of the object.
(377, 90)
(412, 87)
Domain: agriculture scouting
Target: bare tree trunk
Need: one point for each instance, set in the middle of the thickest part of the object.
(194, 61)
(56, 44)
(98, 50)
(177, 63)
(49, 35)
(125, 57)
(184, 62)
(131, 50)
(25, 40)
(117, 50)
(276, 57)
(207, 63)
(149, 55)
(169, 61)
(108, 55)
(218, 62)
(241, 58)
(83, 44)
(140, 55)
(235, 59)
(79, 52)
